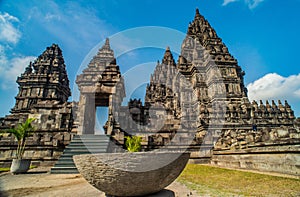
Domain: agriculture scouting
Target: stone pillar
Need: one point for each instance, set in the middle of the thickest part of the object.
(89, 115)
(110, 116)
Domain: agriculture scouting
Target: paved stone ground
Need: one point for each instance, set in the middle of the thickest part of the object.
(38, 182)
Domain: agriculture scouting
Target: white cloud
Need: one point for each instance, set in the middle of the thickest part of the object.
(11, 68)
(8, 33)
(250, 3)
(70, 22)
(297, 92)
(228, 1)
(3, 59)
(50, 17)
(275, 87)
(253, 3)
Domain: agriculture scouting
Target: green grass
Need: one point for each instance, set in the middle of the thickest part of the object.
(213, 181)
(8, 169)
(4, 169)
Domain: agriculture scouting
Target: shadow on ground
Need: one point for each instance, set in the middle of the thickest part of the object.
(3, 193)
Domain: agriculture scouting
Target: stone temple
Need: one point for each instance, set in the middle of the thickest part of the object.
(198, 103)
(43, 94)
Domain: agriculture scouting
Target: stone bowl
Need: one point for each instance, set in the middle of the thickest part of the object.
(131, 174)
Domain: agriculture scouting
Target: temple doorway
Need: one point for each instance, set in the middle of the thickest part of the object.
(101, 118)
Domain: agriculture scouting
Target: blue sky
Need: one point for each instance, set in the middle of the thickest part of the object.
(263, 35)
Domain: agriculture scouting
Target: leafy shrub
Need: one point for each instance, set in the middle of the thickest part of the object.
(21, 132)
(133, 143)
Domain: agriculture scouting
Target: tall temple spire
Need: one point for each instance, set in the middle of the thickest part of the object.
(105, 50)
(102, 67)
(104, 57)
(201, 34)
(201, 28)
(197, 14)
(45, 79)
(106, 45)
(168, 57)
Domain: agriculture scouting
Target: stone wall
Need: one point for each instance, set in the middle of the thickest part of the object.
(53, 132)
(267, 149)
(44, 148)
(273, 158)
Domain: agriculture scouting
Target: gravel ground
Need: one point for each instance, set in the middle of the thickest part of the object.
(38, 182)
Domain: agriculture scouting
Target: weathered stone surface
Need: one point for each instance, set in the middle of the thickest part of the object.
(98, 83)
(280, 159)
(131, 174)
(234, 124)
(218, 114)
(43, 94)
(207, 67)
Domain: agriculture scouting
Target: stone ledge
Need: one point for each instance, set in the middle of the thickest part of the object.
(284, 163)
(261, 150)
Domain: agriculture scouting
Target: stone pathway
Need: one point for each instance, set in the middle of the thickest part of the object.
(38, 182)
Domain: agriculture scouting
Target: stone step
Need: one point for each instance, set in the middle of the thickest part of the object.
(64, 170)
(65, 161)
(70, 150)
(86, 141)
(90, 147)
(85, 148)
(69, 165)
(80, 152)
(91, 137)
(75, 144)
(84, 144)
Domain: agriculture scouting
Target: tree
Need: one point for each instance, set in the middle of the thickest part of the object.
(21, 132)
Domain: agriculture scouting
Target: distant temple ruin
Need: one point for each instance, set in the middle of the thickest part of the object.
(43, 94)
(199, 103)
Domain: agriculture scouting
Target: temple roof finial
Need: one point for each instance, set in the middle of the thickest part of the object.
(106, 51)
(197, 13)
(168, 57)
(106, 45)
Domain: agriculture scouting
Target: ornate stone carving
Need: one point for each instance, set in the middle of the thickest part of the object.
(236, 115)
(100, 84)
(43, 94)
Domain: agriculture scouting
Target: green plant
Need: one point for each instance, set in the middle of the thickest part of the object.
(4, 169)
(133, 143)
(21, 132)
(7, 169)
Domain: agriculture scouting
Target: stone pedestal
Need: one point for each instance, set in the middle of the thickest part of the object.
(131, 174)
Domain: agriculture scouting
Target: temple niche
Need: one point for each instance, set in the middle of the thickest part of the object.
(43, 94)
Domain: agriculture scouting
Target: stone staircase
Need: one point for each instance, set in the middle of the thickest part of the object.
(80, 144)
